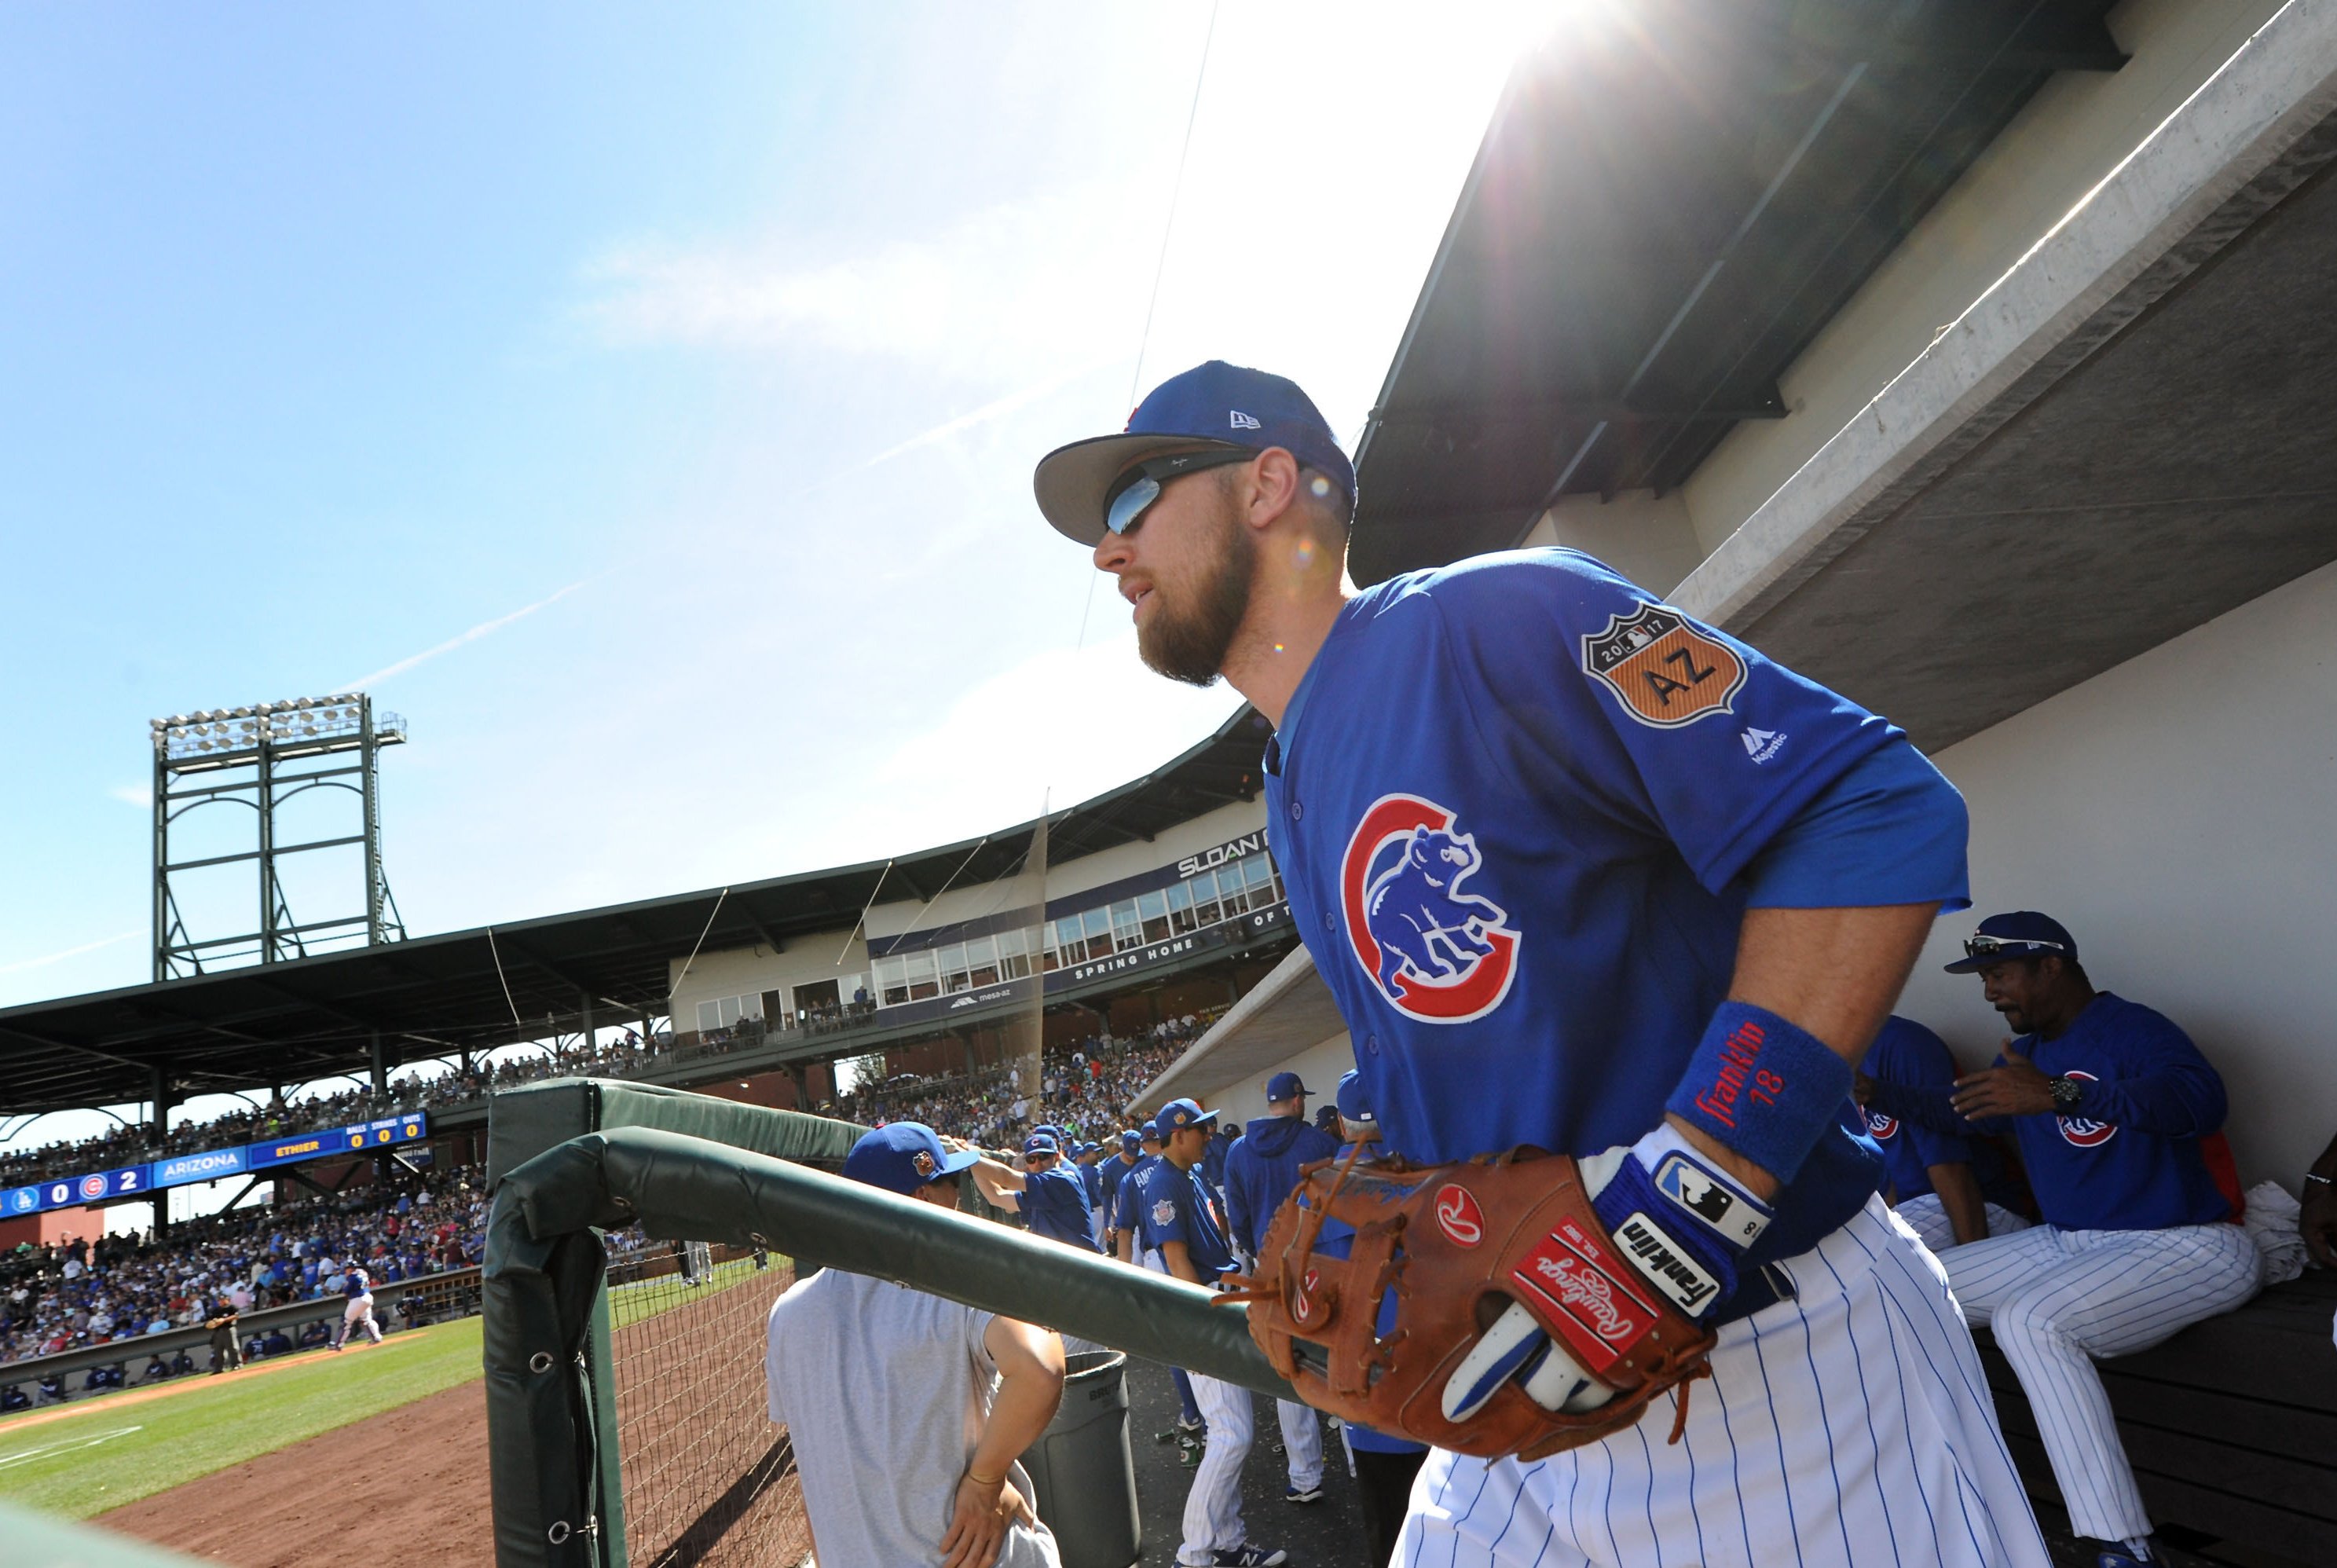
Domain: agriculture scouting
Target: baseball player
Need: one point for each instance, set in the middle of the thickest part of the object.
(1949, 1186)
(1048, 1194)
(357, 1286)
(1585, 873)
(2117, 1117)
(1125, 1243)
(1091, 1174)
(908, 1411)
(1128, 1150)
(1182, 1221)
(1261, 1169)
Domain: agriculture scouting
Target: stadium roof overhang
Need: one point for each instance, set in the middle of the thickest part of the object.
(2130, 433)
(1663, 213)
(247, 1029)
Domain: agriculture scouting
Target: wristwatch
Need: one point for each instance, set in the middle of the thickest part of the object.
(2065, 1094)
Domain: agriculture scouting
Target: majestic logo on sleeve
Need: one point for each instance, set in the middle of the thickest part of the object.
(2077, 1129)
(1437, 953)
(1666, 672)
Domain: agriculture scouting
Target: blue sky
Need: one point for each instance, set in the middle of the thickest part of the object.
(693, 359)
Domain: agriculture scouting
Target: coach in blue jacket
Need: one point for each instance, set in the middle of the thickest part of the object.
(1261, 1169)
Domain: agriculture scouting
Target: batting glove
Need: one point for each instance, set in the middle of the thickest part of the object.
(1683, 1224)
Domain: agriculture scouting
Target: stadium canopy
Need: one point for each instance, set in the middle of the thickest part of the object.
(1666, 207)
(251, 1028)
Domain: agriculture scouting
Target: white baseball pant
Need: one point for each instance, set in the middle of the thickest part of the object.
(359, 1310)
(1849, 1426)
(1302, 1443)
(1213, 1519)
(1929, 1220)
(2054, 1298)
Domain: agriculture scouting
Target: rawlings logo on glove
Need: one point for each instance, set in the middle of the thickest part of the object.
(1541, 1306)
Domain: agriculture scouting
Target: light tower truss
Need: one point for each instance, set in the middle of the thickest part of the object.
(262, 757)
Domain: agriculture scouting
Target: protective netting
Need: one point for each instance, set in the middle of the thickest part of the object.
(706, 1477)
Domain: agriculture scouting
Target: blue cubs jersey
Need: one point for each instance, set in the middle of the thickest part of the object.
(1112, 1173)
(356, 1284)
(1055, 1202)
(1262, 1170)
(1519, 805)
(1127, 1198)
(1904, 1052)
(1181, 1206)
(2131, 1157)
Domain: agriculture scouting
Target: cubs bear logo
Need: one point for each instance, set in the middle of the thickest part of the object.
(1436, 954)
(1667, 672)
(2078, 1130)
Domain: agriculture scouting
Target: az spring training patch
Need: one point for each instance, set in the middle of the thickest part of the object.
(1666, 672)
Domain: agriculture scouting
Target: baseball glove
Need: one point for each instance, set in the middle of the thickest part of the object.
(1460, 1248)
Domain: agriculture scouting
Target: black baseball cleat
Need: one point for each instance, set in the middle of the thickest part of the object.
(1303, 1493)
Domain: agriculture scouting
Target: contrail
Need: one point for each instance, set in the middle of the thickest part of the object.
(484, 629)
(68, 952)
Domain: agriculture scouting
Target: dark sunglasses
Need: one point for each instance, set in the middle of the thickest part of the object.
(1994, 946)
(1141, 486)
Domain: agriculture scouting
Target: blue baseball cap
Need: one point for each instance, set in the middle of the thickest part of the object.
(1354, 1106)
(2022, 933)
(902, 1156)
(1131, 1140)
(1151, 1133)
(1215, 407)
(1286, 1087)
(1038, 1143)
(1179, 1114)
(1049, 1128)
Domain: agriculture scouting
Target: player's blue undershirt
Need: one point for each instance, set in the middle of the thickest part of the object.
(1621, 852)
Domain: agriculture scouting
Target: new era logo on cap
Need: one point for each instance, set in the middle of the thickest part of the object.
(1241, 421)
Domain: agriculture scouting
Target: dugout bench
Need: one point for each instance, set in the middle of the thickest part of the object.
(2231, 1426)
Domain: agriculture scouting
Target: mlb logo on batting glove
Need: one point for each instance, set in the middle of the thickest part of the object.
(1680, 1222)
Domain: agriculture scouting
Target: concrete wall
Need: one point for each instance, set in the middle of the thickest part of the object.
(2076, 129)
(2178, 813)
(741, 971)
(1071, 877)
(1318, 1067)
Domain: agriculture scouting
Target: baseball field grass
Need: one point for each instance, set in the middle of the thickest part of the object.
(121, 1447)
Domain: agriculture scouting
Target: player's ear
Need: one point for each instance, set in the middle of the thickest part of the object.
(1269, 486)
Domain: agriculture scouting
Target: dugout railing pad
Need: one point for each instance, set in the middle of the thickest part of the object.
(553, 1498)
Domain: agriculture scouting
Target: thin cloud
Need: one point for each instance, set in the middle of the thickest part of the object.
(484, 629)
(45, 959)
(139, 795)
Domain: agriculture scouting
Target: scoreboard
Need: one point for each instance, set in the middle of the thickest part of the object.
(178, 1170)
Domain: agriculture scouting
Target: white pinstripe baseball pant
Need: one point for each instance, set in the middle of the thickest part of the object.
(2056, 1298)
(1848, 1426)
(1927, 1218)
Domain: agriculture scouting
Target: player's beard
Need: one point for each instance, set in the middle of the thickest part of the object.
(1190, 643)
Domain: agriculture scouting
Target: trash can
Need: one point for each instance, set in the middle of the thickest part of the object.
(1082, 1468)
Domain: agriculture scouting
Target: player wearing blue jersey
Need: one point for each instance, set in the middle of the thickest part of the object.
(2117, 1116)
(1125, 1241)
(1261, 1169)
(1183, 1222)
(1949, 1187)
(1586, 874)
(1048, 1194)
(1128, 1150)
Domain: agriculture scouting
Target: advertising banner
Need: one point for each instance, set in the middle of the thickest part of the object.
(208, 1166)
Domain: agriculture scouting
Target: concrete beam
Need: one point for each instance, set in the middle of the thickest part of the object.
(2253, 131)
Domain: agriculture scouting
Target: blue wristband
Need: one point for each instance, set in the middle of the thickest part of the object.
(1762, 1087)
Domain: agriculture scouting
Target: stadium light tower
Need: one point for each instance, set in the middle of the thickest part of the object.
(262, 757)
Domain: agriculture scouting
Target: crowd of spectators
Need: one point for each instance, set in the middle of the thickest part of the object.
(119, 1288)
(618, 1055)
(1084, 1086)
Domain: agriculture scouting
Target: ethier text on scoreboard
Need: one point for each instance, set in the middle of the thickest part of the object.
(180, 1170)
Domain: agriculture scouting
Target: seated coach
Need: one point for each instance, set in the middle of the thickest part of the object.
(2117, 1116)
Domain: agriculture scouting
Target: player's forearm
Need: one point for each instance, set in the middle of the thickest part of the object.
(1180, 1263)
(2186, 1101)
(1832, 974)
